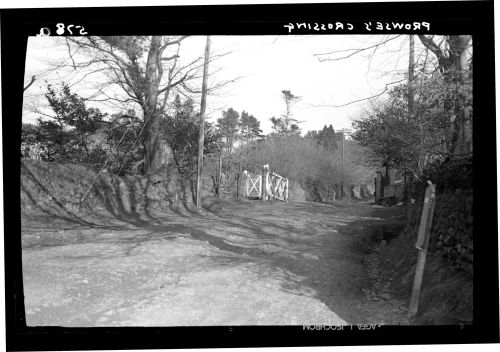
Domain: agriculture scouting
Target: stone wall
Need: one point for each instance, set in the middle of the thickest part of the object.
(51, 188)
(395, 192)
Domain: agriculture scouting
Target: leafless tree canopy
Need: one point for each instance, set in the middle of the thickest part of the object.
(147, 70)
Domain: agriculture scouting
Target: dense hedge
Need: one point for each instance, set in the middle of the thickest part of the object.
(452, 227)
(317, 191)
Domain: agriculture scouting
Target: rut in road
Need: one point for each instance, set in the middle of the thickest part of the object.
(234, 263)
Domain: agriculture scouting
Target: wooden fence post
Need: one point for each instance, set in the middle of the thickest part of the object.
(379, 187)
(219, 172)
(245, 173)
(422, 245)
(238, 185)
(243, 183)
(265, 171)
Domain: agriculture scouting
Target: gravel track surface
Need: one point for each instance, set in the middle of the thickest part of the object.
(232, 263)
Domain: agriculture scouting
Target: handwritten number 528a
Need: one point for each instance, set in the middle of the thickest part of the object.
(60, 29)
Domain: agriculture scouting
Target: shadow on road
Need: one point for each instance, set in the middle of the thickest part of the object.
(312, 250)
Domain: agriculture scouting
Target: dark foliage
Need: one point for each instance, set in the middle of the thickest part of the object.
(181, 132)
(228, 126)
(415, 139)
(452, 227)
(67, 135)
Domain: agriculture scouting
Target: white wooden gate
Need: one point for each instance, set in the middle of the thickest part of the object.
(253, 185)
(267, 186)
(276, 186)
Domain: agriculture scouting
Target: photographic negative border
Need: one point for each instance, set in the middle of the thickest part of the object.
(475, 18)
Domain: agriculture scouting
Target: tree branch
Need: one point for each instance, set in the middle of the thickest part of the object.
(431, 45)
(69, 53)
(177, 41)
(355, 51)
(360, 100)
(29, 84)
(170, 57)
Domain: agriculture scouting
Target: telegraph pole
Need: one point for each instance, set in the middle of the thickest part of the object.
(411, 73)
(201, 140)
(343, 131)
(411, 104)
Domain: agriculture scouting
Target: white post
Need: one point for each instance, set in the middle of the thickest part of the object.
(245, 176)
(286, 190)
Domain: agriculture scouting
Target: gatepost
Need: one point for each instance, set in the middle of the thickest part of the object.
(265, 172)
(379, 187)
(286, 190)
(422, 245)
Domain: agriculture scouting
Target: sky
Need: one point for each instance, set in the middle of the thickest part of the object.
(264, 66)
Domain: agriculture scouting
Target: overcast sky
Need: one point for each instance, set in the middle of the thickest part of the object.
(266, 65)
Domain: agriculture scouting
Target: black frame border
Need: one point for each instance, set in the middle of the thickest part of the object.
(463, 17)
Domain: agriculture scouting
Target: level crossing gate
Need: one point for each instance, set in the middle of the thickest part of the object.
(253, 185)
(267, 186)
(276, 187)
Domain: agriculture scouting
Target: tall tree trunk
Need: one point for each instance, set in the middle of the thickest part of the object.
(458, 56)
(453, 65)
(153, 160)
(155, 151)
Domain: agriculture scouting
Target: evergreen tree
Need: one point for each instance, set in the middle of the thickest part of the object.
(228, 126)
(328, 139)
(181, 131)
(66, 136)
(286, 124)
(250, 127)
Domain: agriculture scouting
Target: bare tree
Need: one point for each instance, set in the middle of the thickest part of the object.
(136, 65)
(452, 54)
(146, 69)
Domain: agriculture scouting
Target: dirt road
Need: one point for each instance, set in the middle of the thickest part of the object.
(234, 263)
